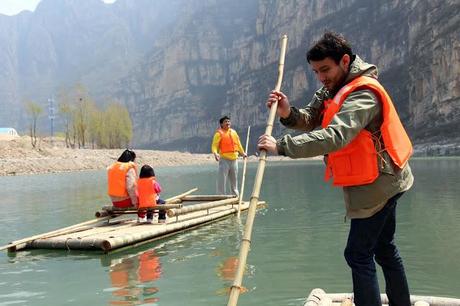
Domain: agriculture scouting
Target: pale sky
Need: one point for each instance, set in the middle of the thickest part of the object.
(13, 7)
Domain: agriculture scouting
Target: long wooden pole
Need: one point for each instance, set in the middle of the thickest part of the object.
(246, 242)
(179, 197)
(245, 161)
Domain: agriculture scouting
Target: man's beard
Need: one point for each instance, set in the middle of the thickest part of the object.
(339, 84)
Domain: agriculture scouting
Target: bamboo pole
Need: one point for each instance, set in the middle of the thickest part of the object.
(319, 298)
(111, 243)
(108, 211)
(179, 197)
(432, 300)
(246, 241)
(170, 203)
(167, 229)
(245, 161)
(202, 206)
(207, 197)
(12, 245)
(117, 210)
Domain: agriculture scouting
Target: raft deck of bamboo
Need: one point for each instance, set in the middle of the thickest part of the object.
(116, 231)
(318, 297)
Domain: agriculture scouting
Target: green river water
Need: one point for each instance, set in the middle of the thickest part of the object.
(298, 240)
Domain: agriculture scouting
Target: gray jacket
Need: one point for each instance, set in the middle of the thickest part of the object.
(361, 110)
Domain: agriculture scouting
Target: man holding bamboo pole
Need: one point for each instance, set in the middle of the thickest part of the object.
(352, 121)
(226, 147)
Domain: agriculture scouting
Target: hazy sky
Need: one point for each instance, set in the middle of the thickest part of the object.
(12, 7)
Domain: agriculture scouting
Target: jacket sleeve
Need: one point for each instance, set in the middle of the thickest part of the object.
(240, 147)
(358, 110)
(131, 185)
(308, 118)
(215, 143)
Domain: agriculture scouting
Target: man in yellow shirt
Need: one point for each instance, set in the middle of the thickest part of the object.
(226, 147)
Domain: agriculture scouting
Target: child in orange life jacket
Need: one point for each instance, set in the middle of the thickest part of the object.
(149, 193)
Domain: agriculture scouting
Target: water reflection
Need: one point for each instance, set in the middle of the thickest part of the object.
(133, 278)
(297, 244)
(226, 271)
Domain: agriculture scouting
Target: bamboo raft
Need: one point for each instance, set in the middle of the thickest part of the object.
(318, 297)
(113, 230)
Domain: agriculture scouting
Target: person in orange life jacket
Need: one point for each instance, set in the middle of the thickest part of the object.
(149, 193)
(122, 181)
(226, 147)
(353, 122)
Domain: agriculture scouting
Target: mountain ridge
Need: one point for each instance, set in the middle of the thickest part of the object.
(179, 65)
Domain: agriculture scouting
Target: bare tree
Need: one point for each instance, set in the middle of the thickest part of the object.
(34, 110)
(85, 123)
(66, 113)
(118, 129)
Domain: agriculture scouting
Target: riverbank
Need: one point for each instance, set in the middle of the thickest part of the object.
(18, 157)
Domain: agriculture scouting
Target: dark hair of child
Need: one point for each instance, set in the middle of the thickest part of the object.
(146, 171)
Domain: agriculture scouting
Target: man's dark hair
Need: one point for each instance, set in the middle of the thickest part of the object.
(221, 120)
(146, 171)
(127, 156)
(331, 45)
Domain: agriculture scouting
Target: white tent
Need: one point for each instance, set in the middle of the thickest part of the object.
(8, 133)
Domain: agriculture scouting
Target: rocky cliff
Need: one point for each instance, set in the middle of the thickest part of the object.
(179, 65)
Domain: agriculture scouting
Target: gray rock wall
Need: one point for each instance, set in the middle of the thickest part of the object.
(180, 65)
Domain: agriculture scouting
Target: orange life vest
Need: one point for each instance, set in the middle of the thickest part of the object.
(228, 141)
(356, 163)
(117, 178)
(119, 278)
(146, 192)
(149, 267)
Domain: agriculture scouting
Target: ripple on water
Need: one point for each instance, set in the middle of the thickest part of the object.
(20, 297)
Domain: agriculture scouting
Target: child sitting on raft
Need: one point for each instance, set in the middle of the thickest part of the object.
(148, 190)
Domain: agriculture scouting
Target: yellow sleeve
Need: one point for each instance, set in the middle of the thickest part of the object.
(215, 143)
(240, 147)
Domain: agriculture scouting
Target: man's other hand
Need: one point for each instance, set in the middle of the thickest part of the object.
(267, 143)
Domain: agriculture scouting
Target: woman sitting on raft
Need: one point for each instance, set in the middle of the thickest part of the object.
(149, 193)
(122, 180)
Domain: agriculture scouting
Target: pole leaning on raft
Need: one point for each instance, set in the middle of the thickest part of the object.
(245, 163)
(246, 242)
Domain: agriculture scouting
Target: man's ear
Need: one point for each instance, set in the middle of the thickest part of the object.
(345, 62)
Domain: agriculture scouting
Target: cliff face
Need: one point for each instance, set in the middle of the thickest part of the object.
(434, 103)
(68, 41)
(180, 65)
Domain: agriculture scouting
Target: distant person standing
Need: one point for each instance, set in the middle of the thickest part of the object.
(226, 147)
(352, 121)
